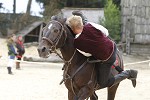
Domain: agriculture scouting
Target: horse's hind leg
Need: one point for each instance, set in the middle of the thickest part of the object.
(112, 91)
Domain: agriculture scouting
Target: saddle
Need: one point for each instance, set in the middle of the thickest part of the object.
(115, 65)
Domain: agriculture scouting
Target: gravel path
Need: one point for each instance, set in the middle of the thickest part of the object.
(41, 81)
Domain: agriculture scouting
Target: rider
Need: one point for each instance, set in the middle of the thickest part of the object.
(92, 39)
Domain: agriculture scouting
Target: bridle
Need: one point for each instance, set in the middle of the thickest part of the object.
(67, 63)
(53, 50)
(53, 43)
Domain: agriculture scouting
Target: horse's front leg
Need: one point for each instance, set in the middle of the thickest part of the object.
(94, 96)
(71, 96)
(84, 93)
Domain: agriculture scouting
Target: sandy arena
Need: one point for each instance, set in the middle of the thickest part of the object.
(41, 81)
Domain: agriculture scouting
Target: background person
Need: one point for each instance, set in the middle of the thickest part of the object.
(20, 50)
(79, 13)
(11, 52)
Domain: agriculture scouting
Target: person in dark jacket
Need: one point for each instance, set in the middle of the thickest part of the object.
(92, 40)
(79, 13)
(11, 52)
(20, 50)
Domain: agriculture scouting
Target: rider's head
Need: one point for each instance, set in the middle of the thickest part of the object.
(75, 23)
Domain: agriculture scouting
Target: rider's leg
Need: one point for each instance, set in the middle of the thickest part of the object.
(104, 70)
(105, 80)
(130, 74)
(104, 75)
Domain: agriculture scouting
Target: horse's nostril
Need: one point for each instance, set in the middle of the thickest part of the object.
(43, 49)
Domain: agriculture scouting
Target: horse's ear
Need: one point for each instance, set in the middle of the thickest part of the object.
(54, 18)
(63, 21)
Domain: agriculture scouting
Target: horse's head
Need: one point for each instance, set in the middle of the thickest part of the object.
(53, 37)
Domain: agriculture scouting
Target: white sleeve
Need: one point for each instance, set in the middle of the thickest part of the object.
(84, 53)
(100, 27)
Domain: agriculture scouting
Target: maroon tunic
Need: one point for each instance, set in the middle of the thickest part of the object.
(93, 41)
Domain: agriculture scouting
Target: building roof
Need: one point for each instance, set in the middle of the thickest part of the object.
(29, 28)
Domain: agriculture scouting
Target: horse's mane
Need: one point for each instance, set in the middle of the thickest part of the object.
(70, 30)
(62, 21)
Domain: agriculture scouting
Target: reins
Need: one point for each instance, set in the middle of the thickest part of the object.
(67, 63)
(53, 50)
(53, 47)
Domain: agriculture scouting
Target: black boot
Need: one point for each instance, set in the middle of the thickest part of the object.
(9, 70)
(130, 74)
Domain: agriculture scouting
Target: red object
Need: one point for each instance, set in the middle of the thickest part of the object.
(116, 63)
(18, 56)
(20, 47)
(20, 42)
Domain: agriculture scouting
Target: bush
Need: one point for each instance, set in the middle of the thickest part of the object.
(112, 20)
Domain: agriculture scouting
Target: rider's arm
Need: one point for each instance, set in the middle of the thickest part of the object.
(100, 27)
(84, 53)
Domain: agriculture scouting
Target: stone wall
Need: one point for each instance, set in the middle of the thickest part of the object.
(136, 23)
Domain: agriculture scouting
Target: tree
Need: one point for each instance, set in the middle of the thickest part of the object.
(14, 7)
(51, 7)
(85, 3)
(26, 16)
(117, 3)
(28, 7)
(112, 20)
(24, 19)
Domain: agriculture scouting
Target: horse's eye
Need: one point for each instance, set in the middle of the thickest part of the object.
(56, 30)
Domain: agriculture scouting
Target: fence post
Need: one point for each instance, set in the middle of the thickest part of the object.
(128, 25)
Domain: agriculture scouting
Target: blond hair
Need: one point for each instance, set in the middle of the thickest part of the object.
(74, 22)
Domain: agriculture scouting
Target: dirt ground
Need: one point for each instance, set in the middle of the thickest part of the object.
(40, 81)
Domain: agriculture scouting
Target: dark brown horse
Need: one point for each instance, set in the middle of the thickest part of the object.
(80, 76)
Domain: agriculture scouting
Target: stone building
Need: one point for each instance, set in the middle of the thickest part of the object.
(136, 26)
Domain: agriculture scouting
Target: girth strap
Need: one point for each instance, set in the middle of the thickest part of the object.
(89, 60)
(78, 69)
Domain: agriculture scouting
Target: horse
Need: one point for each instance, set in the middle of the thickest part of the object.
(79, 75)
